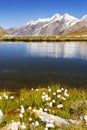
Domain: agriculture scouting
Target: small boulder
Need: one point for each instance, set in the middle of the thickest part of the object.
(1, 114)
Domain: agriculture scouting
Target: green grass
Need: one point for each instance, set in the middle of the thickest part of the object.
(73, 107)
(67, 37)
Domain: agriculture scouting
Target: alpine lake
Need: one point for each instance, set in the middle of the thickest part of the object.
(34, 64)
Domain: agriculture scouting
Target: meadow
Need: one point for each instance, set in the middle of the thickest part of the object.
(17, 109)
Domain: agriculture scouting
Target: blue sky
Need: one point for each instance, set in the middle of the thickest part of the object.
(16, 13)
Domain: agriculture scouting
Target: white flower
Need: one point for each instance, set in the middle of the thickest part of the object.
(45, 109)
(29, 107)
(32, 123)
(53, 101)
(22, 109)
(60, 106)
(1, 114)
(66, 90)
(44, 93)
(48, 99)
(0, 97)
(36, 123)
(32, 89)
(30, 119)
(6, 97)
(50, 125)
(54, 93)
(67, 95)
(21, 115)
(62, 89)
(43, 97)
(23, 126)
(46, 96)
(40, 109)
(11, 97)
(50, 104)
(34, 110)
(63, 98)
(37, 90)
(48, 86)
(58, 96)
(59, 91)
(49, 90)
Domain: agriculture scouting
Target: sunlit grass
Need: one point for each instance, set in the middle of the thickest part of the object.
(67, 37)
(57, 100)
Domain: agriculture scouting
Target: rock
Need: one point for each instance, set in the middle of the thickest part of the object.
(13, 126)
(85, 118)
(48, 117)
(1, 114)
(58, 121)
(74, 122)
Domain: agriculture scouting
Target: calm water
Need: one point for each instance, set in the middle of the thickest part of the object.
(32, 64)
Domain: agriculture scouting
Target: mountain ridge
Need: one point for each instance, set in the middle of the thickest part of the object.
(56, 25)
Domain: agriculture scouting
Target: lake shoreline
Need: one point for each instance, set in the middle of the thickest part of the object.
(43, 39)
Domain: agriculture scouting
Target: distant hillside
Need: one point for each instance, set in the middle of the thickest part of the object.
(2, 32)
(82, 32)
(79, 27)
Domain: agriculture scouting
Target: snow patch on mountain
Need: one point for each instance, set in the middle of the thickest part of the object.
(70, 20)
(84, 18)
(55, 17)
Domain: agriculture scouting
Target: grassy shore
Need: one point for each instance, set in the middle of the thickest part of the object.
(47, 39)
(19, 106)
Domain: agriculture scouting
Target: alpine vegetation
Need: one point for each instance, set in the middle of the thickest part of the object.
(43, 109)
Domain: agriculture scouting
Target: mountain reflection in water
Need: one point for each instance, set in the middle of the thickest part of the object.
(33, 64)
(58, 50)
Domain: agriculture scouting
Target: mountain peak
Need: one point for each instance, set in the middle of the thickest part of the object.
(56, 16)
(84, 18)
(67, 16)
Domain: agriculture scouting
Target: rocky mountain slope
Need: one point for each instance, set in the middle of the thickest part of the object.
(79, 26)
(2, 32)
(53, 26)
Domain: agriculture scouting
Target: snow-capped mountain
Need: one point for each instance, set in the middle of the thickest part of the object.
(55, 25)
(47, 20)
(81, 24)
